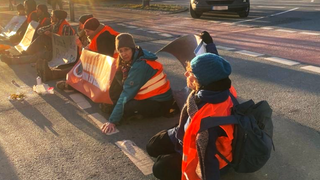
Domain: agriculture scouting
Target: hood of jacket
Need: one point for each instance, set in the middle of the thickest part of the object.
(141, 54)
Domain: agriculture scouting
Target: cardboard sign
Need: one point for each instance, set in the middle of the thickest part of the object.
(183, 48)
(13, 26)
(93, 75)
(64, 49)
(28, 36)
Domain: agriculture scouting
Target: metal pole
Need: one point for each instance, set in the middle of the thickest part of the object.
(71, 6)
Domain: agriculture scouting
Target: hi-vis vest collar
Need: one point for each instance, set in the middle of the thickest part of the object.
(29, 16)
(191, 168)
(64, 22)
(157, 85)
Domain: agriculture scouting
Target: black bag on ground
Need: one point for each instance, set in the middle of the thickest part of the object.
(253, 131)
(48, 74)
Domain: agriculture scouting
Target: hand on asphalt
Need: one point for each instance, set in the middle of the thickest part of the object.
(108, 127)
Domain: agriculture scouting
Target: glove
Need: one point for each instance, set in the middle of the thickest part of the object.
(205, 36)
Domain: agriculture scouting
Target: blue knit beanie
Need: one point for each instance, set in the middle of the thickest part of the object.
(209, 68)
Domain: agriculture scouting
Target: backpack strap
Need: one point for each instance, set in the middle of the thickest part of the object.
(210, 122)
(234, 99)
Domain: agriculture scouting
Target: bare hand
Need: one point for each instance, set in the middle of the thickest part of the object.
(78, 42)
(48, 33)
(108, 128)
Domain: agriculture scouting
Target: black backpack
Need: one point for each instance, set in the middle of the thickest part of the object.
(253, 130)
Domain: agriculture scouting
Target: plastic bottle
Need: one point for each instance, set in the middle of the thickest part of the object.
(39, 81)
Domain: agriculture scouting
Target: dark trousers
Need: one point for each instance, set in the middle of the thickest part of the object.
(168, 163)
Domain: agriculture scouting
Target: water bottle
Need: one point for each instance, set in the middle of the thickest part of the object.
(39, 82)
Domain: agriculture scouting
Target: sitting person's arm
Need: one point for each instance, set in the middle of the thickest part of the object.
(44, 29)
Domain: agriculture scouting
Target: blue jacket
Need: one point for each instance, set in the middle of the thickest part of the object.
(140, 72)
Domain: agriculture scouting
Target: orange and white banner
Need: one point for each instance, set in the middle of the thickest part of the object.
(93, 75)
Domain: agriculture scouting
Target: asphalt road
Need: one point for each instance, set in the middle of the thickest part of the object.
(49, 137)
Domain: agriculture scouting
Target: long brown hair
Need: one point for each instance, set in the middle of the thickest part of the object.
(195, 83)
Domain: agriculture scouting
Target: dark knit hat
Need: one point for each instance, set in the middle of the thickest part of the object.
(20, 7)
(60, 14)
(85, 17)
(209, 68)
(43, 8)
(125, 40)
(92, 24)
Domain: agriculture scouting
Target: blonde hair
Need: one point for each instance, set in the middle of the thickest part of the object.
(195, 83)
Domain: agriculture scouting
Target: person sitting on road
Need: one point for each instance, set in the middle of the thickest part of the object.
(41, 47)
(21, 10)
(30, 8)
(102, 39)
(82, 40)
(43, 15)
(207, 76)
(143, 89)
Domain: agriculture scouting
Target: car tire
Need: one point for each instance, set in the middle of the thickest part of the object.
(245, 13)
(193, 13)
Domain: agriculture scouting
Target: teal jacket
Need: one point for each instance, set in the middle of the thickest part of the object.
(140, 72)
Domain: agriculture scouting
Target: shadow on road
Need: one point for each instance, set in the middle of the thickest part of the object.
(7, 171)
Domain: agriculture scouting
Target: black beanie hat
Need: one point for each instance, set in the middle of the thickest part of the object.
(60, 14)
(125, 40)
(43, 8)
(85, 17)
(92, 24)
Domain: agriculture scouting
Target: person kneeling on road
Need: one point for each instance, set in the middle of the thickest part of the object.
(177, 149)
(143, 86)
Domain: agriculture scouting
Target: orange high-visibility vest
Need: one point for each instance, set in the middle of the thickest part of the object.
(93, 44)
(29, 16)
(42, 22)
(64, 22)
(157, 85)
(190, 156)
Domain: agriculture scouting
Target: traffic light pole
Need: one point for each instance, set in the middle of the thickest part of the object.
(71, 6)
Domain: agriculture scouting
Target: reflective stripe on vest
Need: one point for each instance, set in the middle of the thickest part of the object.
(157, 85)
(190, 159)
(43, 21)
(93, 44)
(29, 16)
(64, 22)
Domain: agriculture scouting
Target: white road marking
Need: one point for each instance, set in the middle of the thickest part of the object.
(136, 155)
(310, 33)
(132, 27)
(312, 68)
(153, 32)
(249, 20)
(282, 61)
(99, 120)
(165, 35)
(284, 12)
(121, 24)
(80, 100)
(225, 23)
(267, 28)
(225, 48)
(285, 30)
(317, 9)
(312, 0)
(272, 7)
(249, 53)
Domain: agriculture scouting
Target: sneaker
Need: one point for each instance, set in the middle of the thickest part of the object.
(106, 108)
(62, 85)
